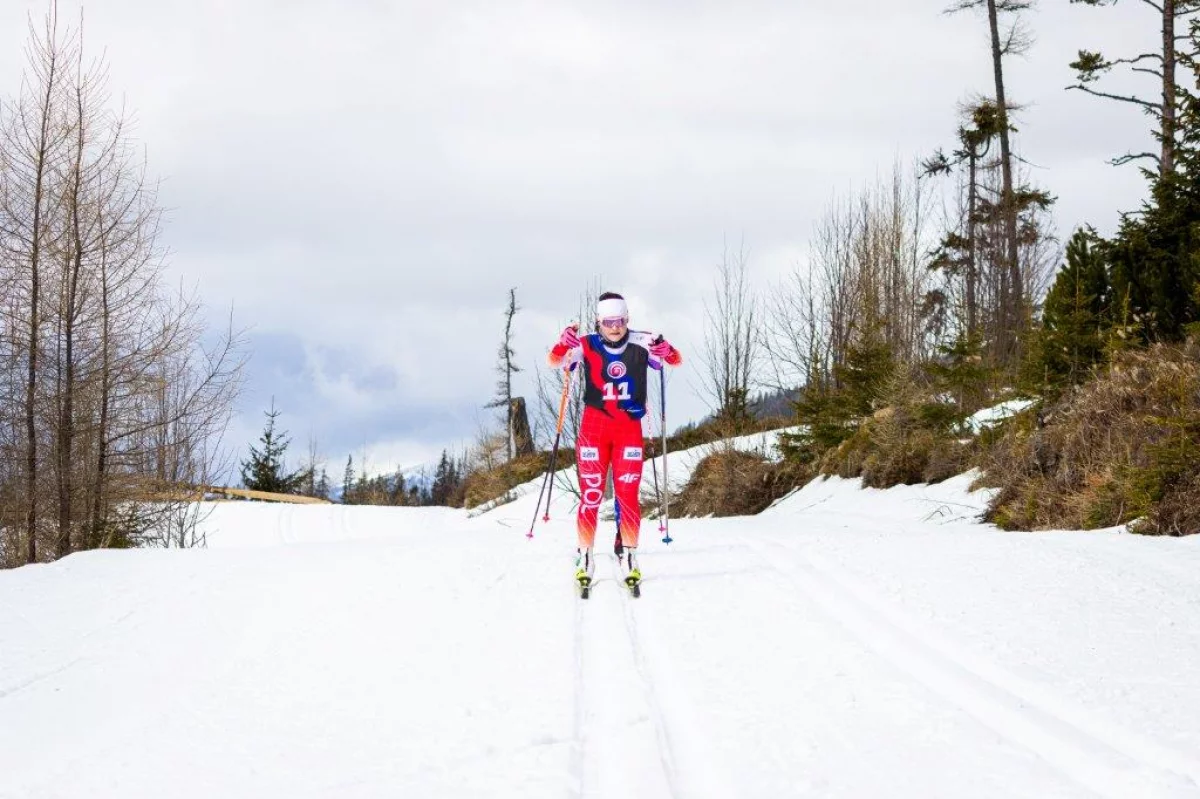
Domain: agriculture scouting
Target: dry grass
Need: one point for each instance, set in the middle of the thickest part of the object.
(1123, 448)
(734, 483)
(485, 485)
(909, 441)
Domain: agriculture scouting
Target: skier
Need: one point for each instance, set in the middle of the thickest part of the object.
(614, 360)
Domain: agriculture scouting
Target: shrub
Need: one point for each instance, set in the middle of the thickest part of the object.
(734, 483)
(1121, 448)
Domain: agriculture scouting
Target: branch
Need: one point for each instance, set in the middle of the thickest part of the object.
(1151, 107)
(1125, 159)
(1153, 56)
(1153, 5)
(963, 5)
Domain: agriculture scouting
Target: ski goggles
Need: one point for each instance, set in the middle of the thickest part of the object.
(614, 322)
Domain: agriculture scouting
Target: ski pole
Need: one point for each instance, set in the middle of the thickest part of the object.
(665, 524)
(548, 481)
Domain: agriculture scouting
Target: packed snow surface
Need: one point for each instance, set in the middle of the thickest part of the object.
(846, 642)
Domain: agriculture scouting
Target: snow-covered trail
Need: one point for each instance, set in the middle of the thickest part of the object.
(845, 643)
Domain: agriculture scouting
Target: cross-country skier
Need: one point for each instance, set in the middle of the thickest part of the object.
(614, 360)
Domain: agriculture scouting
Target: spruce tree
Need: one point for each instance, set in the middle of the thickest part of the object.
(348, 482)
(322, 487)
(1154, 270)
(1075, 319)
(265, 470)
(960, 372)
(443, 481)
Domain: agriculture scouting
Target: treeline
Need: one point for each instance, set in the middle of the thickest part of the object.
(902, 326)
(113, 394)
(266, 469)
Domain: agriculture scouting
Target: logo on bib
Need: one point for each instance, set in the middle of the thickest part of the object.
(633, 453)
(589, 453)
(616, 370)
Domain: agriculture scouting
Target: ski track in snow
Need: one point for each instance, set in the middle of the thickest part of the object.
(1099, 755)
(845, 643)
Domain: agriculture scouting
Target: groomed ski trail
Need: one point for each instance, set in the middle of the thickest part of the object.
(636, 732)
(1095, 754)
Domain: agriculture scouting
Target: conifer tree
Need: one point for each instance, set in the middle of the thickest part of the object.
(265, 469)
(506, 366)
(1169, 15)
(348, 482)
(1071, 340)
(1012, 42)
(962, 373)
(322, 487)
(445, 480)
(1153, 268)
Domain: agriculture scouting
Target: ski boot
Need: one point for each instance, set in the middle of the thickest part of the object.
(633, 574)
(584, 566)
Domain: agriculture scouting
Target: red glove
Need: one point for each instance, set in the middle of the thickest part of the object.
(569, 339)
(663, 351)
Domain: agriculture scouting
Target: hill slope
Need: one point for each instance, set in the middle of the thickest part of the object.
(845, 642)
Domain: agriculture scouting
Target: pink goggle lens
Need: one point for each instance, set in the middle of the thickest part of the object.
(614, 322)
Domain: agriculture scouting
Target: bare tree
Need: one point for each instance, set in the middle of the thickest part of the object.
(34, 147)
(1091, 66)
(866, 272)
(730, 338)
(115, 405)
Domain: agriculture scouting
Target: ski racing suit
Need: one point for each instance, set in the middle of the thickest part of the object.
(610, 433)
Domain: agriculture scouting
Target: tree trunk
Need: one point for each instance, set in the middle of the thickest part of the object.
(1015, 295)
(35, 299)
(66, 422)
(972, 194)
(522, 435)
(1167, 162)
(96, 523)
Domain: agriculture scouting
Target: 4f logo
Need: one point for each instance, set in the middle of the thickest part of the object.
(632, 477)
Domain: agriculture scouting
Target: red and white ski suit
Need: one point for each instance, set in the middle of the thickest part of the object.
(610, 433)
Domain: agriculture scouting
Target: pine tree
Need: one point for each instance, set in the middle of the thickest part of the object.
(1153, 268)
(868, 366)
(831, 407)
(444, 480)
(265, 470)
(322, 488)
(961, 372)
(396, 493)
(507, 367)
(1090, 66)
(1075, 320)
(348, 482)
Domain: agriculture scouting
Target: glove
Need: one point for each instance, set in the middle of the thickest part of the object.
(661, 349)
(569, 339)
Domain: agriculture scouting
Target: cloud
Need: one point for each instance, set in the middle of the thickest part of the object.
(364, 181)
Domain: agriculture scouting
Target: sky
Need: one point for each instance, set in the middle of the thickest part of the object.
(361, 182)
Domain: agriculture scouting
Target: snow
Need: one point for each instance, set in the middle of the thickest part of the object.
(989, 417)
(846, 642)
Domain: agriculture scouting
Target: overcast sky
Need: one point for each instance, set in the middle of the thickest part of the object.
(362, 180)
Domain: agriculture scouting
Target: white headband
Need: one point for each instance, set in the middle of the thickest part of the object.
(609, 309)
